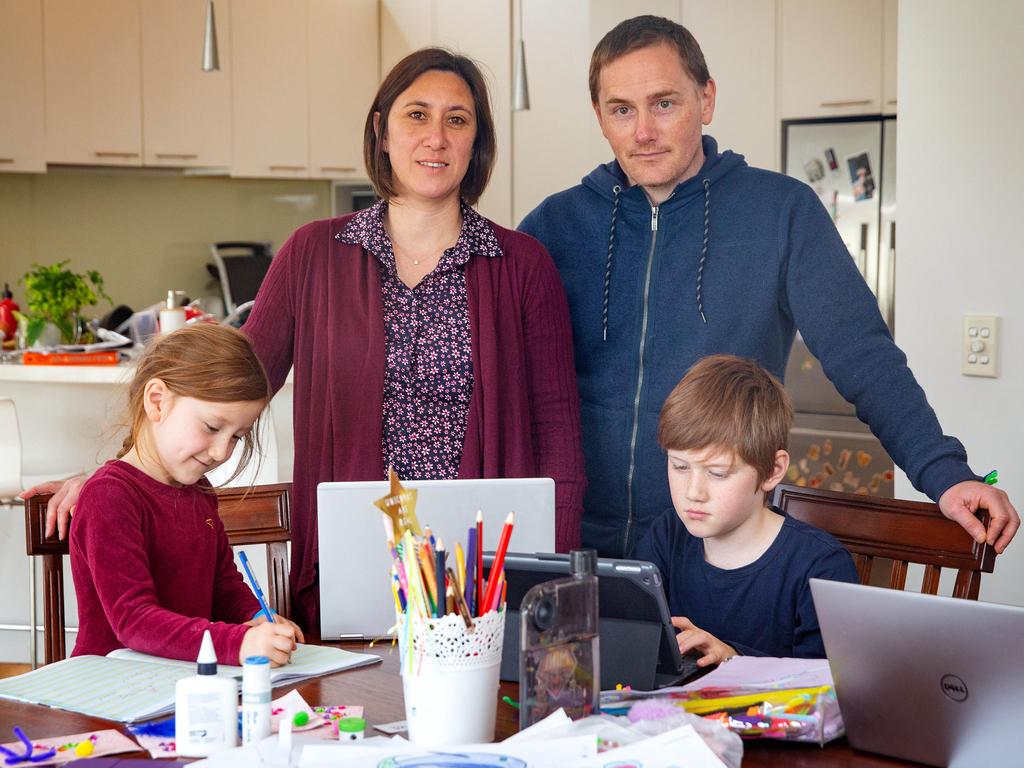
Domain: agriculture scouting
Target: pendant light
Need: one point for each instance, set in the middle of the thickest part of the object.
(211, 61)
(520, 88)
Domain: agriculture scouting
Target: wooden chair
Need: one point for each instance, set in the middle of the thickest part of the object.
(903, 531)
(257, 515)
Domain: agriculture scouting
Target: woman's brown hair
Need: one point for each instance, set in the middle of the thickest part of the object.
(732, 404)
(208, 362)
(403, 75)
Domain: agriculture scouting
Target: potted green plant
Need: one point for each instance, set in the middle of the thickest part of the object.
(56, 295)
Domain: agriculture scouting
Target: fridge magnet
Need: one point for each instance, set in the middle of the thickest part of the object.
(860, 176)
(814, 169)
(830, 158)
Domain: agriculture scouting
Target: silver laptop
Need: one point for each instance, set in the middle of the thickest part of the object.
(355, 567)
(932, 679)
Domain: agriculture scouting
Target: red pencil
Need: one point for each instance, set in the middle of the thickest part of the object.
(499, 559)
(480, 563)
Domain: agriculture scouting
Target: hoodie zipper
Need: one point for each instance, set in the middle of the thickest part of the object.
(630, 515)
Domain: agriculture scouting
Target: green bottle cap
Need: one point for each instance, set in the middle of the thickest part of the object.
(351, 725)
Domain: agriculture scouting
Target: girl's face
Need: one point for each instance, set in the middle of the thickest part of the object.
(189, 436)
(430, 135)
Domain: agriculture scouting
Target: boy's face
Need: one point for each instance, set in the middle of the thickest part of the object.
(715, 493)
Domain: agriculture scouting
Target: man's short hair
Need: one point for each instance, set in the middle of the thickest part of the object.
(644, 32)
(403, 75)
(728, 403)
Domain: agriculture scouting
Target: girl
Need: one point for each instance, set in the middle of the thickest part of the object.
(151, 561)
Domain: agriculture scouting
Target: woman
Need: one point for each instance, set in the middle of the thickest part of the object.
(422, 335)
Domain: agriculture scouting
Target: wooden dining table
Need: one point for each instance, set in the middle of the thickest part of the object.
(378, 689)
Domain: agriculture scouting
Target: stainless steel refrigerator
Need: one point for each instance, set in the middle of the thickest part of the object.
(851, 165)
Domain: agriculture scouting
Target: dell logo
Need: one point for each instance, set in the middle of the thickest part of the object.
(954, 687)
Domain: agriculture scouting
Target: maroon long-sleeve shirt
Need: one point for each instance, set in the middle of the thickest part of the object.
(319, 309)
(153, 569)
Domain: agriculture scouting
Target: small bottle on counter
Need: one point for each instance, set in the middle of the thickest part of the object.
(205, 708)
(172, 317)
(351, 728)
(255, 699)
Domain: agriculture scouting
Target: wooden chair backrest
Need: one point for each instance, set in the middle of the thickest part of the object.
(902, 531)
(257, 515)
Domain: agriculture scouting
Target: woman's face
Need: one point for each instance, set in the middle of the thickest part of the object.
(429, 140)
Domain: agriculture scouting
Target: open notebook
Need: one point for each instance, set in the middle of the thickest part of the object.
(128, 686)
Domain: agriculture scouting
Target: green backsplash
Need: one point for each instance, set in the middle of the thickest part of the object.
(145, 231)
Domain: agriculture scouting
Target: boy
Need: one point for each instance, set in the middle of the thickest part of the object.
(736, 571)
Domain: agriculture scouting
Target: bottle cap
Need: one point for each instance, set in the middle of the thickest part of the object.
(206, 662)
(351, 725)
(7, 292)
(170, 300)
(583, 562)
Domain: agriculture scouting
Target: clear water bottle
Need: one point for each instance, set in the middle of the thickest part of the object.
(559, 659)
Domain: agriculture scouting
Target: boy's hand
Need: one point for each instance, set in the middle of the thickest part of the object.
(272, 639)
(262, 619)
(692, 638)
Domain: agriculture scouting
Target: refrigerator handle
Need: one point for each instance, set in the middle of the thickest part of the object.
(890, 297)
(862, 252)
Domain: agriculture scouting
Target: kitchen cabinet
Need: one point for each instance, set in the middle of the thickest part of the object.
(738, 41)
(889, 55)
(270, 94)
(343, 49)
(186, 114)
(479, 29)
(830, 58)
(93, 82)
(22, 126)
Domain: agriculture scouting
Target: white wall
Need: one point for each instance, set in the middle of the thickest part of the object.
(960, 169)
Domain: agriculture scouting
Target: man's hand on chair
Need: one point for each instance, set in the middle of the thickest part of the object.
(61, 507)
(961, 501)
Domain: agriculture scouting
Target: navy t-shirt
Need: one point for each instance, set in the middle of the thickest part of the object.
(760, 609)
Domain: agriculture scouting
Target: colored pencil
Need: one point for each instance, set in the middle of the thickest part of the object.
(460, 603)
(471, 573)
(460, 567)
(442, 598)
(499, 559)
(479, 562)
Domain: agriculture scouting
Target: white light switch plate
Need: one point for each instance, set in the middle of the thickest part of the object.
(979, 347)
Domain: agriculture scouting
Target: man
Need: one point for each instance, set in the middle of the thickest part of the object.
(675, 251)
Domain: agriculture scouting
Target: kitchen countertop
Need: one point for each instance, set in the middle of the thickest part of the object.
(67, 374)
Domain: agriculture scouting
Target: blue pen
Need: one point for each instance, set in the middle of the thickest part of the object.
(255, 586)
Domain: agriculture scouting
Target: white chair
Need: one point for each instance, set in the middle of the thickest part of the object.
(12, 483)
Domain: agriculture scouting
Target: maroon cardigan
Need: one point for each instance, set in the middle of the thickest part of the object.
(319, 309)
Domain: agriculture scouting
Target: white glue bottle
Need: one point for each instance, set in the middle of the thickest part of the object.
(255, 699)
(205, 708)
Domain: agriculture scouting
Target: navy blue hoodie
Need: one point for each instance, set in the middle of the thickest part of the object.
(734, 261)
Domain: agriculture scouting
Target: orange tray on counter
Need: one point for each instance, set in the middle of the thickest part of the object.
(109, 357)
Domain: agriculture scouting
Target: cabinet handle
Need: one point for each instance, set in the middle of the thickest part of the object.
(891, 101)
(854, 103)
(6, 160)
(176, 156)
(116, 154)
(340, 168)
(287, 167)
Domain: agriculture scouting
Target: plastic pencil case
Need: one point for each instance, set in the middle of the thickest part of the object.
(795, 714)
(112, 357)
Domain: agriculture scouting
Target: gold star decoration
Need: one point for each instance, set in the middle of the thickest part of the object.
(400, 506)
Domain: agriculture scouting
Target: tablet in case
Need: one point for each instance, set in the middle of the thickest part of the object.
(637, 640)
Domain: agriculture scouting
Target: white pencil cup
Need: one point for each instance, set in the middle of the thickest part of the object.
(451, 680)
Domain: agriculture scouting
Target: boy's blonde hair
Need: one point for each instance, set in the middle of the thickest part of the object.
(208, 362)
(732, 404)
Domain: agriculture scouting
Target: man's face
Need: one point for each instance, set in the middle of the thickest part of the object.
(651, 111)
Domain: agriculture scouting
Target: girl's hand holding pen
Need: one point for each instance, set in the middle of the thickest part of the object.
(273, 639)
(262, 619)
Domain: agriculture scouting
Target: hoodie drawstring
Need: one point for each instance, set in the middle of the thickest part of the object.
(608, 264)
(700, 265)
(703, 248)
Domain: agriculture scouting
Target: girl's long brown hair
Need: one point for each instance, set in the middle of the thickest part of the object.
(208, 362)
